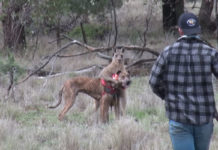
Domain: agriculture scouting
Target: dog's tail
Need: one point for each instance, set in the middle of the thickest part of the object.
(60, 99)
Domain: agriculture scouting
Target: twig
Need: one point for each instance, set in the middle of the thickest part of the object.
(79, 71)
(11, 87)
(57, 39)
(194, 4)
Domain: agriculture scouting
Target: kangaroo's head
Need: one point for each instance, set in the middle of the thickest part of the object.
(118, 56)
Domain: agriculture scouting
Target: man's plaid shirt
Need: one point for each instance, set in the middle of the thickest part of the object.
(182, 76)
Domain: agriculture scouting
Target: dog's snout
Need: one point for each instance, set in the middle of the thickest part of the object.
(128, 82)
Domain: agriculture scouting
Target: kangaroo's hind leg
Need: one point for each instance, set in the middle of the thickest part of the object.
(123, 101)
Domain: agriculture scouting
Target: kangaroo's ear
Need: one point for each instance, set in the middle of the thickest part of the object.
(114, 50)
(122, 50)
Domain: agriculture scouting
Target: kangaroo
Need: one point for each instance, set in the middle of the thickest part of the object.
(108, 72)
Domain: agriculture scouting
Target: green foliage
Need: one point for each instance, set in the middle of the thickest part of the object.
(92, 31)
(2, 15)
(29, 117)
(141, 114)
(92, 6)
(9, 65)
(134, 35)
(52, 12)
(76, 117)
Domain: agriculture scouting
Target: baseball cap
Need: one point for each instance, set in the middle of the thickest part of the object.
(189, 23)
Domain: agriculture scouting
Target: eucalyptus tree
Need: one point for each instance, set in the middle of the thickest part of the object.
(14, 18)
(56, 14)
(172, 9)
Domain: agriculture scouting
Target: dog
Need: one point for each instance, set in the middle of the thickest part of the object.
(101, 90)
(109, 100)
(116, 65)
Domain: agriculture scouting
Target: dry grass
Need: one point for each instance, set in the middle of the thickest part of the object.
(27, 123)
(30, 125)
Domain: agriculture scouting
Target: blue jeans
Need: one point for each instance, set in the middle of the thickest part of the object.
(190, 137)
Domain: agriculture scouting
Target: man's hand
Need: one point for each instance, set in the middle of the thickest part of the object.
(216, 115)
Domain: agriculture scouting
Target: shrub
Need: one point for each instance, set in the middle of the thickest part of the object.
(9, 65)
(92, 31)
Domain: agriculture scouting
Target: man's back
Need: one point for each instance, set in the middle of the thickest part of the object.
(186, 71)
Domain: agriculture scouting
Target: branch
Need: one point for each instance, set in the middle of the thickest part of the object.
(101, 49)
(104, 56)
(135, 47)
(49, 58)
(140, 61)
(81, 54)
(90, 48)
(131, 47)
(77, 72)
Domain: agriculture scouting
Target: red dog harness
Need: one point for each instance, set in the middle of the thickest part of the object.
(107, 87)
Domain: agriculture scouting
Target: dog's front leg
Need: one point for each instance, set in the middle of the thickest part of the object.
(117, 106)
(104, 108)
(97, 105)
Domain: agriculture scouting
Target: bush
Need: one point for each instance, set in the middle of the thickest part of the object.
(10, 65)
(92, 31)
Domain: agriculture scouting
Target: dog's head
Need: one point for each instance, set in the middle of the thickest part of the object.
(121, 80)
(124, 78)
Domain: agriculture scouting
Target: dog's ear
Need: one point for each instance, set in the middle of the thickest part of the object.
(118, 72)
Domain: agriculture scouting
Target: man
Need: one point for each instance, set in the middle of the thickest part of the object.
(182, 77)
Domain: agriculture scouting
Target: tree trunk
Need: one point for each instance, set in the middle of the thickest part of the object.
(83, 33)
(172, 9)
(205, 14)
(58, 33)
(216, 12)
(13, 30)
(115, 22)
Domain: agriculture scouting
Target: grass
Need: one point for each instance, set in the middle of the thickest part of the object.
(27, 123)
(35, 127)
(21, 125)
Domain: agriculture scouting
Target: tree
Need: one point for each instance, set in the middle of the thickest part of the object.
(13, 27)
(205, 15)
(53, 12)
(172, 9)
(50, 13)
(94, 7)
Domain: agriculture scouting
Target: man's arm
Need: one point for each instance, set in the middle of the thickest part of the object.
(156, 77)
(215, 72)
(215, 65)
